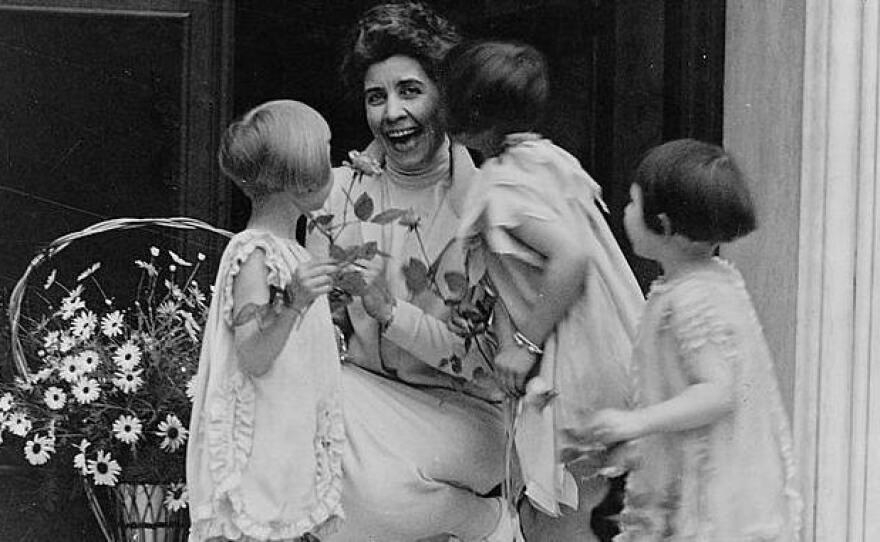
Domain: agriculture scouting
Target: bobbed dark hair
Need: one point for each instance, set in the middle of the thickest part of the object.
(495, 85)
(700, 189)
(408, 28)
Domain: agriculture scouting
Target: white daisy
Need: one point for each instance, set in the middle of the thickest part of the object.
(37, 451)
(88, 272)
(104, 469)
(196, 293)
(24, 384)
(173, 289)
(127, 429)
(111, 324)
(176, 497)
(55, 398)
(52, 339)
(128, 381)
(69, 369)
(127, 356)
(66, 343)
(172, 433)
(190, 325)
(201, 257)
(191, 389)
(154, 252)
(84, 325)
(69, 306)
(178, 260)
(172, 268)
(6, 402)
(43, 374)
(19, 424)
(167, 308)
(79, 460)
(86, 390)
(88, 361)
(148, 267)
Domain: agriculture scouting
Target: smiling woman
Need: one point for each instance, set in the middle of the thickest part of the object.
(426, 443)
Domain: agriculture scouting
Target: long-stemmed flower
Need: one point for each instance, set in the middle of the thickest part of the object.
(127, 429)
(104, 469)
(37, 451)
(172, 433)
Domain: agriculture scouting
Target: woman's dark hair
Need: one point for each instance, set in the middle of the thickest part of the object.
(699, 187)
(407, 28)
(497, 85)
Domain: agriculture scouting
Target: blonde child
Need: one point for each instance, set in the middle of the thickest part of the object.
(715, 454)
(568, 297)
(264, 462)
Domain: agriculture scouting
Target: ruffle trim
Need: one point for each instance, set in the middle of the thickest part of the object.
(247, 242)
(229, 438)
(696, 325)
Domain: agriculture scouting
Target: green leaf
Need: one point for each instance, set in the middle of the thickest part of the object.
(457, 283)
(368, 250)
(338, 253)
(388, 216)
(324, 220)
(415, 274)
(351, 282)
(363, 207)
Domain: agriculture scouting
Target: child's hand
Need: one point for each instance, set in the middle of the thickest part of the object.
(378, 301)
(311, 280)
(512, 366)
(610, 425)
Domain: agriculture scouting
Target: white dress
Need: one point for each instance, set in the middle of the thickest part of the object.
(730, 481)
(265, 457)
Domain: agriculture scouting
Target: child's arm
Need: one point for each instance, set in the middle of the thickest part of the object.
(704, 402)
(259, 341)
(562, 282)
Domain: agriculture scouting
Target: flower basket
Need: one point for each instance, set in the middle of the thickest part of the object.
(106, 387)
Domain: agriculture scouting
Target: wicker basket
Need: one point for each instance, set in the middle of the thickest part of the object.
(126, 512)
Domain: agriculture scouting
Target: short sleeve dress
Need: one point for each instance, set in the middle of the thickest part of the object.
(733, 480)
(586, 359)
(264, 460)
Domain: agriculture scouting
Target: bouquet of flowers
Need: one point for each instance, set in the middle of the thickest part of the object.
(106, 387)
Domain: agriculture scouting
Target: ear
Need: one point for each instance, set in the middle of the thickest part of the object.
(665, 223)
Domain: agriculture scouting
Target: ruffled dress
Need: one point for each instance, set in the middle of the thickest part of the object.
(730, 481)
(265, 457)
(587, 357)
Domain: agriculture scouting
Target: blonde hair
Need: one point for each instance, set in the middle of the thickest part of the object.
(275, 146)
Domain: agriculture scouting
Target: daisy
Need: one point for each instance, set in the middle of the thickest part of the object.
(127, 429)
(86, 390)
(172, 433)
(84, 325)
(104, 469)
(69, 369)
(176, 497)
(24, 384)
(66, 343)
(189, 324)
(55, 398)
(19, 424)
(148, 267)
(88, 361)
(111, 324)
(166, 308)
(173, 289)
(88, 272)
(79, 460)
(50, 280)
(178, 260)
(128, 381)
(43, 374)
(196, 293)
(154, 252)
(37, 451)
(52, 339)
(69, 306)
(127, 356)
(191, 389)
(6, 402)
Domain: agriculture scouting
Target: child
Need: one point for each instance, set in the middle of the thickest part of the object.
(569, 297)
(265, 458)
(715, 459)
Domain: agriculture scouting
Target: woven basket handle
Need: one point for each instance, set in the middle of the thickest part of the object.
(59, 244)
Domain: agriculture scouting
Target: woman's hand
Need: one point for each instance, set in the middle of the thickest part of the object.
(610, 426)
(378, 301)
(512, 365)
(311, 280)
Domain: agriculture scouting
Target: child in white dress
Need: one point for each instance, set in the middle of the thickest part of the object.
(714, 457)
(570, 298)
(264, 462)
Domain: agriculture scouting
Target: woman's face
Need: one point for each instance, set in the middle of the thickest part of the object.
(402, 106)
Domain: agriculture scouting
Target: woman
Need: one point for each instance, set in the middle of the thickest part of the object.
(426, 445)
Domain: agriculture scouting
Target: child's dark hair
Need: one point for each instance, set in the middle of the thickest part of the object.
(405, 27)
(276, 146)
(501, 86)
(700, 189)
